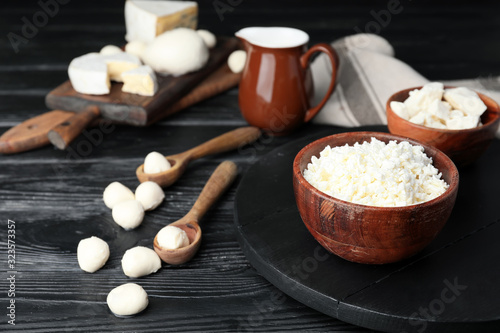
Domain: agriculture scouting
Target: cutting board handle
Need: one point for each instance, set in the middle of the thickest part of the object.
(62, 135)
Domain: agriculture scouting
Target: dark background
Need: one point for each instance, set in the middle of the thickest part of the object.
(219, 289)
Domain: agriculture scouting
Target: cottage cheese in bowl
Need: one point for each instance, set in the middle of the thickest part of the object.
(376, 174)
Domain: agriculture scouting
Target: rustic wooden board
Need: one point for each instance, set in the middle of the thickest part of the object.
(139, 110)
(405, 296)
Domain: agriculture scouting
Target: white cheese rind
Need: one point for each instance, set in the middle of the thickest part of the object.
(145, 20)
(89, 75)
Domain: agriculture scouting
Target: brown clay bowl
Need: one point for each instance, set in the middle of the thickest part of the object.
(462, 146)
(369, 234)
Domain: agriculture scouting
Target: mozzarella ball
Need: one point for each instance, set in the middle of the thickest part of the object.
(155, 162)
(171, 237)
(208, 37)
(92, 254)
(140, 261)
(128, 214)
(110, 50)
(149, 194)
(115, 193)
(136, 48)
(176, 52)
(127, 299)
(236, 61)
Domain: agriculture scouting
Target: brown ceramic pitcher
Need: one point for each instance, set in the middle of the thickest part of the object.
(276, 87)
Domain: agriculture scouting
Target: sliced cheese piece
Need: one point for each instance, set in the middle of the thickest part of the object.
(140, 80)
(145, 20)
(435, 122)
(418, 119)
(400, 109)
(421, 99)
(119, 63)
(464, 122)
(465, 100)
(89, 74)
(439, 110)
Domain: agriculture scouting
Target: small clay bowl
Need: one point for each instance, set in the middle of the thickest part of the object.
(462, 146)
(369, 234)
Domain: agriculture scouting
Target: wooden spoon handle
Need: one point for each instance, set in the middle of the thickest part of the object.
(225, 142)
(218, 182)
(62, 135)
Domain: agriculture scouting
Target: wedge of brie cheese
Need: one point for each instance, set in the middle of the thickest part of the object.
(145, 19)
(119, 63)
(140, 80)
(89, 74)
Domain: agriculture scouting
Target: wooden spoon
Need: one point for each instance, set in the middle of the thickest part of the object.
(220, 180)
(225, 142)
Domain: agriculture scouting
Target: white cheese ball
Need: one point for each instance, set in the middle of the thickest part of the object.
(110, 50)
(155, 162)
(140, 261)
(92, 254)
(115, 193)
(237, 60)
(128, 214)
(150, 195)
(171, 237)
(208, 37)
(136, 48)
(127, 299)
(176, 52)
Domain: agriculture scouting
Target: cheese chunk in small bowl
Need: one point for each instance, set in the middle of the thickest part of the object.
(458, 121)
(365, 196)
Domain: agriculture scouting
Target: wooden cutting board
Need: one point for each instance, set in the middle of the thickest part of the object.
(174, 94)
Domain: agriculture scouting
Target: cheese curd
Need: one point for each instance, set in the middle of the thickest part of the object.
(436, 107)
(155, 163)
(149, 194)
(172, 237)
(140, 261)
(236, 61)
(376, 174)
(92, 254)
(128, 214)
(115, 193)
(127, 299)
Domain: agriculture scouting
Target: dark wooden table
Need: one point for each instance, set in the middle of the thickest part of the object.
(55, 198)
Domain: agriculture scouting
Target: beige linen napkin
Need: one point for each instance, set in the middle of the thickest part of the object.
(368, 75)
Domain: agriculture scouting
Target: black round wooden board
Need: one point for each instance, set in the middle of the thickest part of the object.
(451, 286)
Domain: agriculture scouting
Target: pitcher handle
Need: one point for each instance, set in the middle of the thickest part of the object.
(304, 61)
